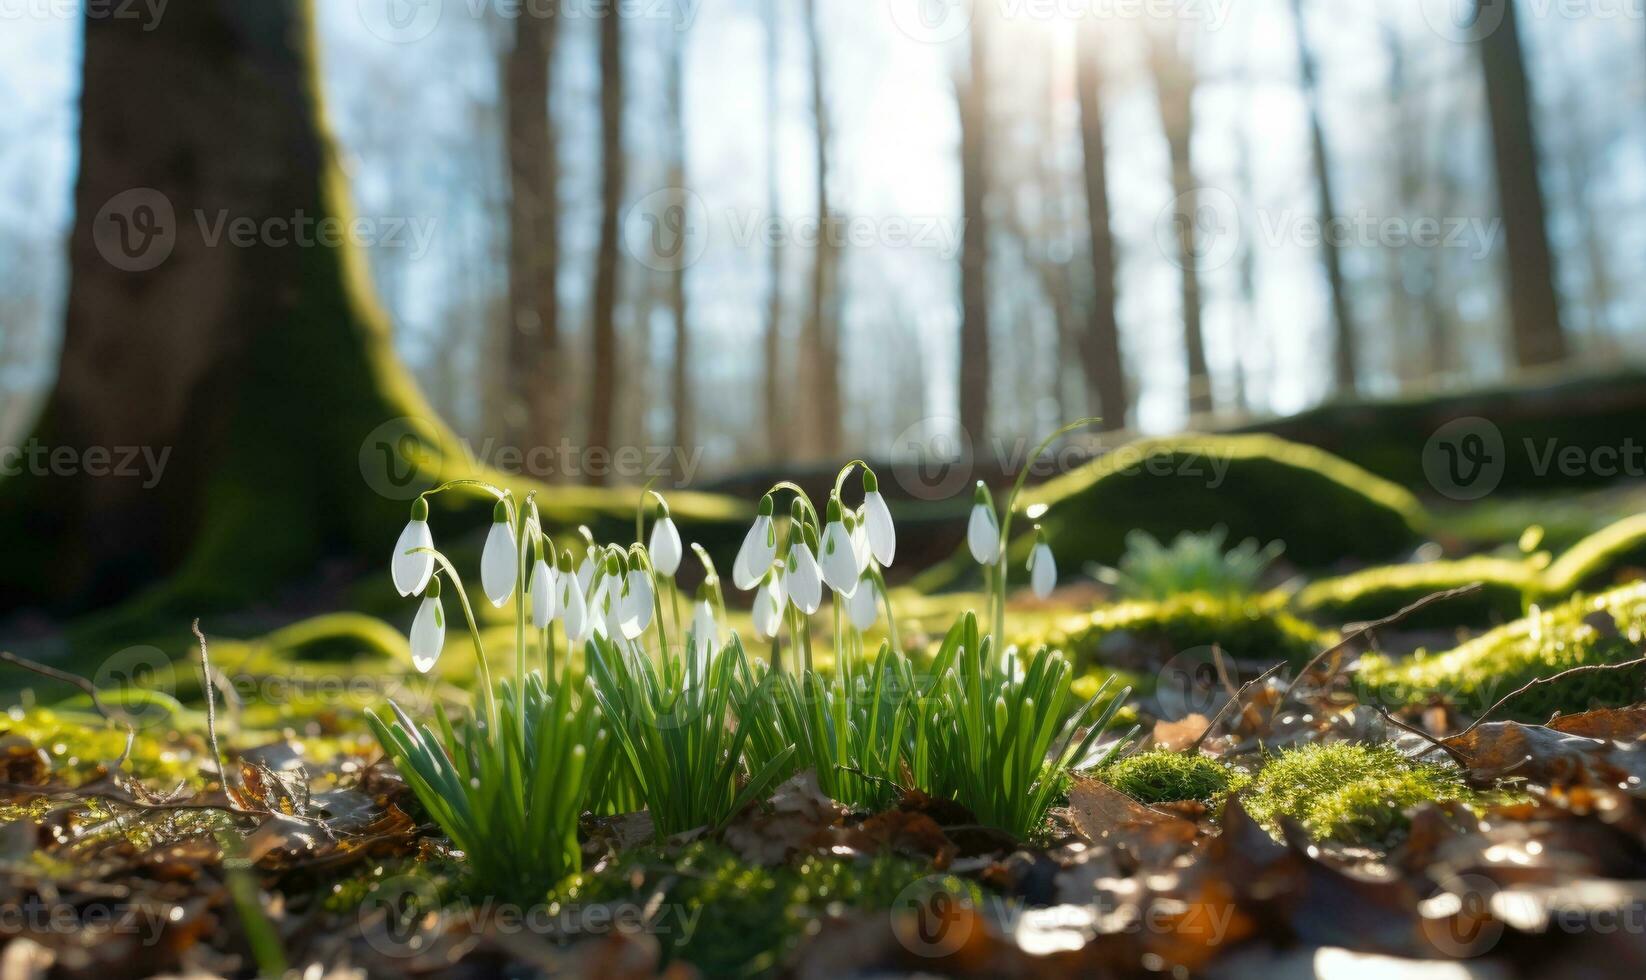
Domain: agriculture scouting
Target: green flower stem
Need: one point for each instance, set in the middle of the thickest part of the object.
(845, 471)
(474, 634)
(886, 600)
(517, 515)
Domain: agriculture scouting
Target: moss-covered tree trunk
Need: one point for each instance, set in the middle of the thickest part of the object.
(214, 323)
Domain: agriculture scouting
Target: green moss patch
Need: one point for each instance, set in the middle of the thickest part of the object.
(1599, 629)
(339, 637)
(1323, 508)
(1161, 776)
(1599, 559)
(1356, 794)
(1378, 592)
(1246, 629)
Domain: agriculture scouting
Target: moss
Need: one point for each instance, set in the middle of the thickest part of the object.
(1247, 629)
(745, 918)
(1161, 776)
(1378, 592)
(79, 744)
(1600, 629)
(339, 637)
(1195, 483)
(1343, 791)
(1599, 559)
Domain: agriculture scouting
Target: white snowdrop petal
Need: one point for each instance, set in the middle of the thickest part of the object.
(804, 580)
(983, 535)
(705, 634)
(756, 554)
(428, 634)
(585, 574)
(636, 611)
(1042, 570)
(573, 610)
(499, 564)
(877, 522)
(665, 547)
(860, 547)
(768, 608)
(863, 608)
(839, 560)
(411, 572)
(543, 594)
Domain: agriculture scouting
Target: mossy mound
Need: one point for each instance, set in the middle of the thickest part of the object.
(1162, 776)
(1600, 559)
(1254, 629)
(1599, 629)
(1323, 508)
(1356, 794)
(339, 637)
(1378, 592)
(729, 918)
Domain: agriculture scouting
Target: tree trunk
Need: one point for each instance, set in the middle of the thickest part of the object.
(1534, 310)
(603, 383)
(821, 341)
(680, 376)
(1345, 359)
(776, 431)
(533, 414)
(1174, 87)
(974, 250)
(1105, 370)
(250, 374)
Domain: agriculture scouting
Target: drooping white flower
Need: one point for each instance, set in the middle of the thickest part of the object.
(586, 569)
(1042, 566)
(768, 605)
(571, 608)
(860, 541)
(802, 578)
(499, 561)
(411, 569)
(759, 548)
(428, 632)
(877, 521)
(543, 594)
(635, 612)
(602, 618)
(863, 608)
(664, 544)
(982, 530)
(838, 560)
(705, 635)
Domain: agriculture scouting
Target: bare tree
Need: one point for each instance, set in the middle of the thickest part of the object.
(533, 413)
(973, 93)
(776, 432)
(1175, 89)
(603, 384)
(1105, 370)
(821, 340)
(1345, 355)
(1534, 308)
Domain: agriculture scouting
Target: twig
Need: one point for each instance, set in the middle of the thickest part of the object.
(1435, 743)
(62, 675)
(1365, 629)
(1240, 695)
(1585, 669)
(1220, 662)
(211, 706)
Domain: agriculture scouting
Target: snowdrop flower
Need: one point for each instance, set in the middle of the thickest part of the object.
(571, 608)
(705, 635)
(412, 571)
(982, 530)
(499, 561)
(542, 592)
(768, 605)
(664, 544)
(863, 608)
(759, 548)
(877, 521)
(860, 540)
(838, 560)
(802, 578)
(428, 632)
(1042, 566)
(602, 615)
(635, 611)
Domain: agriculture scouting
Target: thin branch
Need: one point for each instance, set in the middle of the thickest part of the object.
(62, 675)
(211, 705)
(1240, 696)
(1585, 669)
(1457, 755)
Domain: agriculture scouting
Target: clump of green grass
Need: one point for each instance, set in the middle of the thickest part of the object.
(1195, 561)
(1348, 792)
(1601, 629)
(1163, 776)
